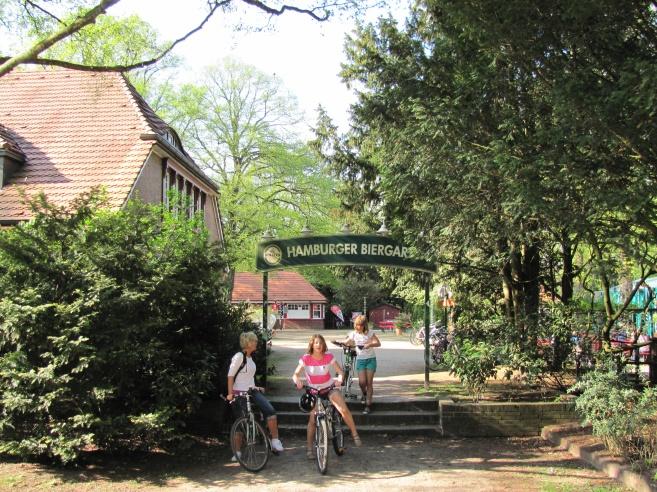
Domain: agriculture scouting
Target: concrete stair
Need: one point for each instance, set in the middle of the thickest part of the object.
(389, 415)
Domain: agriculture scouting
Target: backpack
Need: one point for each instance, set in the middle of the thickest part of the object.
(225, 415)
(242, 365)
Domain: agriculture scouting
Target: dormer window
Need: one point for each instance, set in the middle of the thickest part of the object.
(11, 157)
(171, 137)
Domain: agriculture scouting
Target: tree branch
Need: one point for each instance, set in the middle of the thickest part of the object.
(31, 56)
(273, 11)
(33, 53)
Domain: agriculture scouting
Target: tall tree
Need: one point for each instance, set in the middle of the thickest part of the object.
(496, 133)
(246, 130)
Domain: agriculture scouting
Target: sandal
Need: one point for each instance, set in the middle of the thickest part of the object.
(357, 440)
(309, 454)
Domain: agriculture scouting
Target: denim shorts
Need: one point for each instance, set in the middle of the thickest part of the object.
(366, 364)
(239, 408)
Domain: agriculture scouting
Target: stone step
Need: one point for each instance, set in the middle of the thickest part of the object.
(291, 403)
(426, 430)
(377, 417)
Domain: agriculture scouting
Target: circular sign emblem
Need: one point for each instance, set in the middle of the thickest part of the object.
(272, 255)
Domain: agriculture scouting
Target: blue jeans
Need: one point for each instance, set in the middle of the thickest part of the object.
(259, 399)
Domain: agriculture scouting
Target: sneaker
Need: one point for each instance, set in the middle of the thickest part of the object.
(362, 399)
(235, 456)
(366, 410)
(277, 445)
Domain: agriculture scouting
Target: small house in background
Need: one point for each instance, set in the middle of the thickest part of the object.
(294, 301)
(383, 315)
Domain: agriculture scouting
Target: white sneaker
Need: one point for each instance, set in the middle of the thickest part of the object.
(234, 458)
(277, 445)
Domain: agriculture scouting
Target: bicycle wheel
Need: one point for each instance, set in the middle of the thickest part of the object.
(338, 432)
(321, 445)
(414, 337)
(346, 387)
(435, 359)
(250, 444)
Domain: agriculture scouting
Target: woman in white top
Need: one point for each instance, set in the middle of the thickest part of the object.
(241, 377)
(365, 342)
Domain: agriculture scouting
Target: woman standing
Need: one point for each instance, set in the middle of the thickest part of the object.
(241, 377)
(365, 342)
(317, 364)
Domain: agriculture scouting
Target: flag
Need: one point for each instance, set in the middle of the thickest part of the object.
(335, 309)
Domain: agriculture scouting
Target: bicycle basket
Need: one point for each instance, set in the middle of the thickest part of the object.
(307, 402)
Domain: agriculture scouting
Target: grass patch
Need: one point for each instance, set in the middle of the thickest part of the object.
(560, 487)
(10, 480)
(447, 389)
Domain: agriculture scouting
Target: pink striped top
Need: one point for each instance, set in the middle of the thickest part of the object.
(318, 374)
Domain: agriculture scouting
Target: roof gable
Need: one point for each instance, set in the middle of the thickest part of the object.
(281, 286)
(77, 129)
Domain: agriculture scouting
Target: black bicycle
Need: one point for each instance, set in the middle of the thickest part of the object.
(328, 425)
(439, 342)
(349, 368)
(248, 439)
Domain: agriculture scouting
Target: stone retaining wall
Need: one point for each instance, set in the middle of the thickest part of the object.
(486, 419)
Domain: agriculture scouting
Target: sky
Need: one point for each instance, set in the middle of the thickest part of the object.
(303, 53)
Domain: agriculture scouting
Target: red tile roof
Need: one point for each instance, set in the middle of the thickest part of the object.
(281, 286)
(77, 129)
(8, 142)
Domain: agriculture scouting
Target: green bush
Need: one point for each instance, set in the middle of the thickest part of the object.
(473, 363)
(621, 415)
(112, 327)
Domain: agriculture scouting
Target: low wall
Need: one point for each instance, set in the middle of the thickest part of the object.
(487, 419)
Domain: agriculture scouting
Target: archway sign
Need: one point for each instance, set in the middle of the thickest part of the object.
(343, 249)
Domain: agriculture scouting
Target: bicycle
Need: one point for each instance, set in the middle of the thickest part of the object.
(439, 343)
(349, 368)
(248, 439)
(416, 336)
(327, 420)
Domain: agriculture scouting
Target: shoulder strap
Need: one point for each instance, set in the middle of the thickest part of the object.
(241, 365)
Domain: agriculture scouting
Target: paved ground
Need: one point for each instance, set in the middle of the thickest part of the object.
(383, 463)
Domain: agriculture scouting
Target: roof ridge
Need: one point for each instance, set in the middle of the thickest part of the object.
(142, 107)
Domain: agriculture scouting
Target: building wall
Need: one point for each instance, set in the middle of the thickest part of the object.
(303, 324)
(383, 313)
(149, 182)
(149, 188)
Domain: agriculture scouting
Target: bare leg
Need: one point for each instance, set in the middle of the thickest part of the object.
(362, 382)
(272, 424)
(338, 402)
(310, 431)
(370, 386)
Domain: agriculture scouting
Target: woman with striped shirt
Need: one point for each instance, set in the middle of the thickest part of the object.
(317, 363)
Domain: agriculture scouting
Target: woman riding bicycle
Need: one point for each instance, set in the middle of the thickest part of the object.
(241, 377)
(365, 342)
(317, 364)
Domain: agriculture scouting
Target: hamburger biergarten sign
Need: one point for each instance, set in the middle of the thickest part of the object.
(343, 249)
